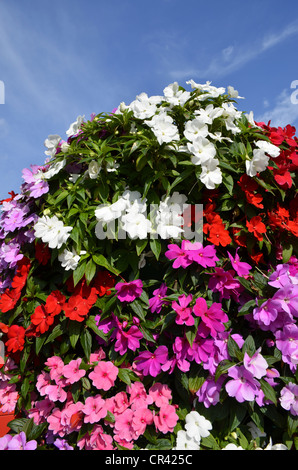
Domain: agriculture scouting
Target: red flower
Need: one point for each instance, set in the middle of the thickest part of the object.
(42, 253)
(9, 299)
(41, 319)
(249, 186)
(77, 308)
(20, 278)
(16, 338)
(103, 283)
(4, 328)
(55, 303)
(256, 226)
(219, 235)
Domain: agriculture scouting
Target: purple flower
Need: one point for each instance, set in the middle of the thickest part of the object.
(287, 343)
(223, 282)
(157, 301)
(17, 442)
(150, 363)
(243, 386)
(180, 255)
(241, 268)
(129, 291)
(287, 297)
(280, 276)
(62, 444)
(256, 364)
(34, 182)
(289, 398)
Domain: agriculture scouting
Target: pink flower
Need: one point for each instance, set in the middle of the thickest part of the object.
(138, 395)
(94, 409)
(150, 363)
(180, 255)
(140, 419)
(184, 313)
(43, 380)
(129, 291)
(72, 371)
(213, 317)
(160, 394)
(167, 419)
(55, 365)
(56, 393)
(41, 410)
(123, 425)
(104, 375)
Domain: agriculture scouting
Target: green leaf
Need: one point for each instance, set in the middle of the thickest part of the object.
(136, 306)
(102, 261)
(79, 272)
(234, 350)
(246, 308)
(269, 391)
(86, 342)
(90, 270)
(228, 181)
(155, 245)
(74, 332)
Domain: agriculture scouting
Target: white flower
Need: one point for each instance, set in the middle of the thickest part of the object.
(234, 93)
(209, 113)
(197, 426)
(144, 107)
(174, 96)
(202, 149)
(51, 143)
(163, 128)
(64, 147)
(111, 167)
(212, 91)
(232, 447)
(136, 225)
(211, 174)
(93, 169)
(54, 169)
(69, 259)
(184, 442)
(51, 230)
(269, 148)
(255, 431)
(195, 128)
(75, 126)
(258, 163)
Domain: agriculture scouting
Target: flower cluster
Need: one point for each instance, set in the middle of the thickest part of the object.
(149, 281)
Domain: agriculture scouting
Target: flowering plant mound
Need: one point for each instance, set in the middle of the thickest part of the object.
(149, 281)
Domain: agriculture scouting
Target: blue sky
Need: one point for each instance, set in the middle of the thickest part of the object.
(64, 58)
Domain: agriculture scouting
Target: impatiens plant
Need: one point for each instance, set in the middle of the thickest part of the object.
(149, 281)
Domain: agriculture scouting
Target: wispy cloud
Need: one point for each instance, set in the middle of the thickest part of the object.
(284, 111)
(232, 58)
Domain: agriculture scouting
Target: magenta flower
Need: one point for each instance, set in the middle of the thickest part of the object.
(127, 339)
(184, 313)
(241, 268)
(180, 255)
(191, 252)
(223, 282)
(129, 291)
(104, 375)
(243, 386)
(157, 301)
(150, 363)
(213, 317)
